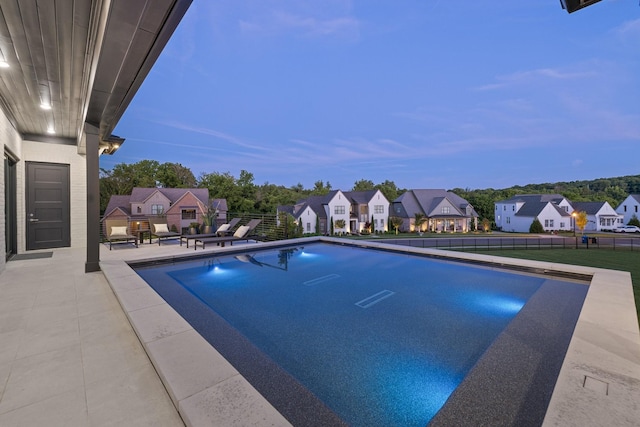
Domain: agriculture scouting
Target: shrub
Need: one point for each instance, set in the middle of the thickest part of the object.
(536, 227)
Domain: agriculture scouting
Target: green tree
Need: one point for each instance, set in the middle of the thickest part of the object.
(389, 189)
(395, 222)
(634, 221)
(363, 185)
(174, 175)
(419, 219)
(536, 227)
(320, 189)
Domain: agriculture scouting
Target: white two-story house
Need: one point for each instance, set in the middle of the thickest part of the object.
(517, 213)
(343, 212)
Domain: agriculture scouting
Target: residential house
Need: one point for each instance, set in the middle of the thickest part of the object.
(301, 213)
(517, 213)
(600, 215)
(181, 206)
(369, 211)
(443, 211)
(359, 210)
(629, 207)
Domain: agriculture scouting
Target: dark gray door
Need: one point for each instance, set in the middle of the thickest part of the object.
(48, 212)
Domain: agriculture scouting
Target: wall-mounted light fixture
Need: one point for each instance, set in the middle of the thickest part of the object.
(110, 145)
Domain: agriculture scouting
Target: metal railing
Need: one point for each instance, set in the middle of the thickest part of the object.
(502, 243)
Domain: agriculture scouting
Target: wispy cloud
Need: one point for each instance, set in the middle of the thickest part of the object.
(214, 133)
(629, 30)
(528, 77)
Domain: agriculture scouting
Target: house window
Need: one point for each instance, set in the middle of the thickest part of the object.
(397, 209)
(309, 227)
(636, 206)
(508, 220)
(378, 209)
(504, 208)
(550, 223)
(446, 210)
(139, 209)
(562, 225)
(546, 223)
(188, 214)
(338, 210)
(625, 208)
(156, 209)
(513, 208)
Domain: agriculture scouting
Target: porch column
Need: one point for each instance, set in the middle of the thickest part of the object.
(93, 198)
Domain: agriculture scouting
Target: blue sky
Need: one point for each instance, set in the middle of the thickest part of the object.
(428, 94)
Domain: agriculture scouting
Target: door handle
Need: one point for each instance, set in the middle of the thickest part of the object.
(33, 220)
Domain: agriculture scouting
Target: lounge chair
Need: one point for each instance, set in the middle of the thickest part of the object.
(244, 232)
(223, 230)
(118, 232)
(228, 229)
(160, 229)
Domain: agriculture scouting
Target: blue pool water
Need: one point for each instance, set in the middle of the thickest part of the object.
(383, 339)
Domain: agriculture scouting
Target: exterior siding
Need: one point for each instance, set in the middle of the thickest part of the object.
(174, 213)
(338, 200)
(309, 220)
(628, 208)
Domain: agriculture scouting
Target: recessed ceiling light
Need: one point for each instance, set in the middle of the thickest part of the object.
(51, 130)
(45, 106)
(4, 64)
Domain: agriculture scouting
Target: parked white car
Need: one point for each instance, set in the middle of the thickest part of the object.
(628, 229)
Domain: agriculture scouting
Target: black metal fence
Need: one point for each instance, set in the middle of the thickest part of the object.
(502, 243)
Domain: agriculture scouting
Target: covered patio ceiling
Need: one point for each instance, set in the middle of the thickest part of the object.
(64, 63)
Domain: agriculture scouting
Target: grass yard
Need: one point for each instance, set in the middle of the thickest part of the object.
(612, 260)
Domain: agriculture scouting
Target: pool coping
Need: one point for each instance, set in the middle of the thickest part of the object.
(598, 384)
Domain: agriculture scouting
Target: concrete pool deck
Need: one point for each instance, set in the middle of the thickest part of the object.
(67, 343)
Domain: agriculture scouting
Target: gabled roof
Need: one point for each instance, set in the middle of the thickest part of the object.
(534, 208)
(426, 201)
(140, 194)
(360, 197)
(118, 202)
(591, 208)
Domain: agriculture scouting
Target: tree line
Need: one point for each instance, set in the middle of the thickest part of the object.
(244, 195)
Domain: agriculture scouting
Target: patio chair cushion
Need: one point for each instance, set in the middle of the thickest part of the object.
(161, 228)
(118, 231)
(241, 231)
(223, 227)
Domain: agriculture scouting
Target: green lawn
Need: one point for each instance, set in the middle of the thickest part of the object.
(612, 260)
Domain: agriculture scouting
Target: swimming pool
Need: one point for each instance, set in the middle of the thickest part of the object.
(379, 338)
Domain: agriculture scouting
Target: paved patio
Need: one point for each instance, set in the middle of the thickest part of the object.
(68, 355)
(67, 342)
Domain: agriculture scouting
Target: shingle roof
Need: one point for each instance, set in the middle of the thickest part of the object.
(526, 198)
(591, 208)
(360, 197)
(118, 201)
(140, 194)
(425, 201)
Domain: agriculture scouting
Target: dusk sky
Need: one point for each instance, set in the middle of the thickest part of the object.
(425, 93)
